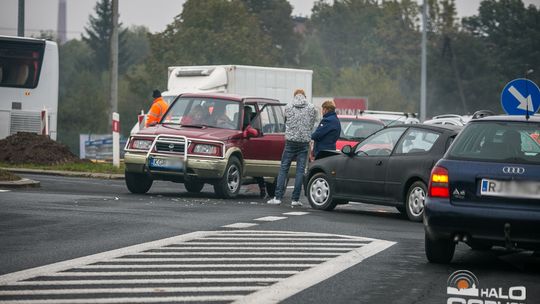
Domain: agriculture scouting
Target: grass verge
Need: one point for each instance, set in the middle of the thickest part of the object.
(6, 176)
(77, 167)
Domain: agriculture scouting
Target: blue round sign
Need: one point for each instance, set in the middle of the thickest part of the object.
(520, 96)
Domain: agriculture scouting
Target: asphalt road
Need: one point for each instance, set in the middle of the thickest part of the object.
(70, 218)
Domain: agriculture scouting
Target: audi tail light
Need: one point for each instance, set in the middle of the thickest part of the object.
(438, 183)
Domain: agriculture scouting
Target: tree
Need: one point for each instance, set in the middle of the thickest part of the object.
(98, 37)
(511, 33)
(275, 21)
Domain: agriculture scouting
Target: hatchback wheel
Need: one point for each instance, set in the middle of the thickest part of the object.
(138, 183)
(416, 198)
(439, 251)
(320, 192)
(229, 185)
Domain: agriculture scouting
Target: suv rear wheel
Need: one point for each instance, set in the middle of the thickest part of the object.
(138, 183)
(439, 251)
(229, 185)
(320, 191)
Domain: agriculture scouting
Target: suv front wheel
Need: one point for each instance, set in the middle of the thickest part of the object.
(138, 183)
(229, 185)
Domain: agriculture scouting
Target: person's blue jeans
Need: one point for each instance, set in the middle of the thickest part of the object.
(293, 150)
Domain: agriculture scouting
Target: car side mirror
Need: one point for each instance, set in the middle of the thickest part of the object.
(250, 132)
(347, 150)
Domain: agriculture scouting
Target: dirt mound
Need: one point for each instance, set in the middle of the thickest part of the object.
(33, 148)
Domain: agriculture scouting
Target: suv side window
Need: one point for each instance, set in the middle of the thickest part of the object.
(280, 119)
(269, 119)
(250, 111)
(417, 141)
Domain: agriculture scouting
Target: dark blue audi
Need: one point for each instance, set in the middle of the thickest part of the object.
(485, 191)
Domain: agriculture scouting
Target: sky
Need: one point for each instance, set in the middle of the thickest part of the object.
(154, 14)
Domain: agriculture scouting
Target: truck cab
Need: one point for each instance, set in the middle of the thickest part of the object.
(221, 139)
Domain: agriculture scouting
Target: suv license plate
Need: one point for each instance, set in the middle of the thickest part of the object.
(166, 164)
(511, 189)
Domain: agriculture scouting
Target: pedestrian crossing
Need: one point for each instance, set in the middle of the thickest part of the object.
(244, 266)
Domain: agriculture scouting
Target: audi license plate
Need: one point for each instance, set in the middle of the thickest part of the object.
(511, 189)
(166, 164)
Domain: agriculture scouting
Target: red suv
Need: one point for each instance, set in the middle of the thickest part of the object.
(221, 139)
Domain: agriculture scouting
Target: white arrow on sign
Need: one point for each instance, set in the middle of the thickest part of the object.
(524, 103)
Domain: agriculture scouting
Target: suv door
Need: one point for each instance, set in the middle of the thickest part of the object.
(262, 154)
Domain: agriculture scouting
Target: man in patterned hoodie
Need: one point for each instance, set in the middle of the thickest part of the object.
(300, 119)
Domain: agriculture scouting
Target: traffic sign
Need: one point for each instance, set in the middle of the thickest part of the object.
(520, 96)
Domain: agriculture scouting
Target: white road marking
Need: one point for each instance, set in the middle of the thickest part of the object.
(128, 290)
(200, 253)
(278, 239)
(129, 300)
(283, 263)
(240, 225)
(61, 266)
(187, 260)
(296, 213)
(173, 266)
(253, 248)
(146, 281)
(167, 273)
(286, 288)
(270, 218)
(263, 243)
(4, 190)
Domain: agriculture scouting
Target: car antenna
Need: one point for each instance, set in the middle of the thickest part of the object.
(406, 114)
(527, 116)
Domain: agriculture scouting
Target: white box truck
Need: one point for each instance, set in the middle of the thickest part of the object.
(276, 83)
(269, 82)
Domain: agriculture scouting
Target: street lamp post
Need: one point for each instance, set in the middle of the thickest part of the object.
(424, 68)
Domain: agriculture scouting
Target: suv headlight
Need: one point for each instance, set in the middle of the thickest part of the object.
(141, 144)
(205, 149)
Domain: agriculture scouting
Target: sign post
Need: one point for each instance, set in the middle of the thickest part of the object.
(116, 139)
(520, 97)
(44, 122)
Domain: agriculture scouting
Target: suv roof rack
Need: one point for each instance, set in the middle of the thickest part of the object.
(482, 113)
(447, 116)
(407, 114)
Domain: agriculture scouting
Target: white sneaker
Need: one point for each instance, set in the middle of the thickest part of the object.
(296, 204)
(274, 201)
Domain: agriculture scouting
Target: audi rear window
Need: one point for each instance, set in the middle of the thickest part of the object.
(508, 142)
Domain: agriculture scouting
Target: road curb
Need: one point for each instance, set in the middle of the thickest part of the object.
(22, 183)
(66, 173)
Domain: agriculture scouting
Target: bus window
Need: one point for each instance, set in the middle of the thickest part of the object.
(20, 64)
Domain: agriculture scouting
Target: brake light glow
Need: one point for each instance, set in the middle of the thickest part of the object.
(438, 184)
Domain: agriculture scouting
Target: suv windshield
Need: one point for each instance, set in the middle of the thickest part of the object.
(208, 112)
(499, 142)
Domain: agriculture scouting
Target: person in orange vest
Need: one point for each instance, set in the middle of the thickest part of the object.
(157, 110)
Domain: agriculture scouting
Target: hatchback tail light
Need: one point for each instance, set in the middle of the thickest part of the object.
(438, 183)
